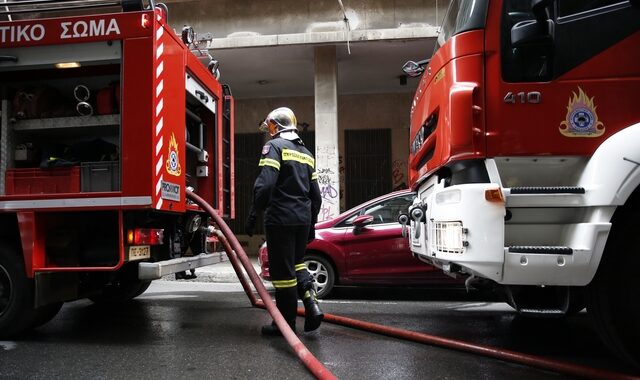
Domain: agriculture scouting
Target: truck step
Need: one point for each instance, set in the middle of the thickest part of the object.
(541, 249)
(541, 312)
(153, 271)
(548, 190)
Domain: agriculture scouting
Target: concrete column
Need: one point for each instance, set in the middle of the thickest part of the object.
(326, 111)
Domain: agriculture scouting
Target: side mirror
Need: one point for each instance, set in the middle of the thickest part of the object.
(362, 221)
(538, 31)
(415, 69)
(412, 69)
(532, 32)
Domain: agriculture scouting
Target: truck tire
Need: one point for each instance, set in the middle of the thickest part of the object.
(612, 296)
(121, 292)
(125, 287)
(322, 272)
(16, 294)
(46, 313)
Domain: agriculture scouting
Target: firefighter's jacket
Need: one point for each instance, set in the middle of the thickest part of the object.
(287, 186)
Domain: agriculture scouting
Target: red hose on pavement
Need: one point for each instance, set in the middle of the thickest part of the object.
(322, 373)
(497, 353)
(305, 356)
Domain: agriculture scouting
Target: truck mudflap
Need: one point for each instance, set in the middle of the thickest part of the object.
(154, 271)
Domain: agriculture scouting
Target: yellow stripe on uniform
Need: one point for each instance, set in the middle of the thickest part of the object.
(292, 155)
(314, 176)
(300, 267)
(269, 162)
(281, 284)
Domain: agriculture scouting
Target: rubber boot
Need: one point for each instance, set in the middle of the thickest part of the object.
(287, 302)
(312, 313)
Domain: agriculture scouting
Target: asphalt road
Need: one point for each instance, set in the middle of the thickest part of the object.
(210, 331)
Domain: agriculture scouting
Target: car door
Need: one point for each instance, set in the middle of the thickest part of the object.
(377, 253)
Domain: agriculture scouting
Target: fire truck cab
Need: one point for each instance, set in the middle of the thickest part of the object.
(525, 157)
(108, 116)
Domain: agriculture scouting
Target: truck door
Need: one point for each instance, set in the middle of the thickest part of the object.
(547, 95)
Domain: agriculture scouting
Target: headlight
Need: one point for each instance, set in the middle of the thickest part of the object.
(449, 197)
(449, 237)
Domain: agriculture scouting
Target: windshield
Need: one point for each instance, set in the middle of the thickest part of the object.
(462, 16)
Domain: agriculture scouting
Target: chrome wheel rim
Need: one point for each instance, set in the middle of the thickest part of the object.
(319, 273)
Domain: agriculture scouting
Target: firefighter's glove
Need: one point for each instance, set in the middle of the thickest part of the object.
(250, 224)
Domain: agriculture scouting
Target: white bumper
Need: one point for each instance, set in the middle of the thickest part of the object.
(508, 253)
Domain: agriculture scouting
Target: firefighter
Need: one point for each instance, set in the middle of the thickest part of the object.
(287, 191)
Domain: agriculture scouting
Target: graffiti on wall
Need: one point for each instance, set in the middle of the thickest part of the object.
(342, 183)
(328, 181)
(398, 174)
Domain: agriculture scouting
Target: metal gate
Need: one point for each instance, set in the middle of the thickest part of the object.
(367, 165)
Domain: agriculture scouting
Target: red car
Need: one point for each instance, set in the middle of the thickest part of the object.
(364, 246)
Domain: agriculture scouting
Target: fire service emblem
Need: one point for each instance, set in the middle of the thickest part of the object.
(582, 119)
(173, 162)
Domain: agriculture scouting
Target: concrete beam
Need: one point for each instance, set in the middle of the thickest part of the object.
(317, 38)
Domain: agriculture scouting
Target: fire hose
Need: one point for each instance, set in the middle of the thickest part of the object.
(236, 253)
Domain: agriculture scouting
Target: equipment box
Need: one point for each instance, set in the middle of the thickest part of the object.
(100, 176)
(42, 181)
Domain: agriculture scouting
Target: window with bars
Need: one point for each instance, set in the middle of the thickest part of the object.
(367, 165)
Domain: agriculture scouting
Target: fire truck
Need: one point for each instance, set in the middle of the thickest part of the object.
(525, 157)
(108, 117)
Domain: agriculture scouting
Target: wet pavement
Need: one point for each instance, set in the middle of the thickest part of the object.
(210, 331)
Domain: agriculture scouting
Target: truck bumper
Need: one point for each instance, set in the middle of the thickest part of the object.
(543, 241)
(153, 271)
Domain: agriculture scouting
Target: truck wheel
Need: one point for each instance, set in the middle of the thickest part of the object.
(612, 296)
(121, 292)
(16, 294)
(46, 313)
(322, 272)
(125, 287)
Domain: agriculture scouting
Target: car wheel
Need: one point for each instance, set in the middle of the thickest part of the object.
(322, 272)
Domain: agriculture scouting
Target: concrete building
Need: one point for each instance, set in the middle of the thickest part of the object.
(337, 64)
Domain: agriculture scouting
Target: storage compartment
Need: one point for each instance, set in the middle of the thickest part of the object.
(100, 176)
(43, 181)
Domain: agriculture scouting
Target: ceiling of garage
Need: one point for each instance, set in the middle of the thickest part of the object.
(279, 71)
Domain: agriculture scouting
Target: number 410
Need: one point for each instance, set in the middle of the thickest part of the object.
(533, 97)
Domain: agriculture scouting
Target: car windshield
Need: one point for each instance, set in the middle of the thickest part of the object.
(461, 16)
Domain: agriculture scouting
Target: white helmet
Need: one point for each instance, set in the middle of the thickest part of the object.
(279, 120)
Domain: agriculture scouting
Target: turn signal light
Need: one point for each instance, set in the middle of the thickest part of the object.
(494, 195)
(145, 236)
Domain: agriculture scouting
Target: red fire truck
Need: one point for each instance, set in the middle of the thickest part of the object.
(525, 157)
(107, 118)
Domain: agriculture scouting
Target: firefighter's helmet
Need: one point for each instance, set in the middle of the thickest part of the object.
(279, 120)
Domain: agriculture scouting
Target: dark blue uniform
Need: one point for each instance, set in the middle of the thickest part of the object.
(287, 190)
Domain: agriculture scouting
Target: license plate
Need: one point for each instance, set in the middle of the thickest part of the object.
(139, 252)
